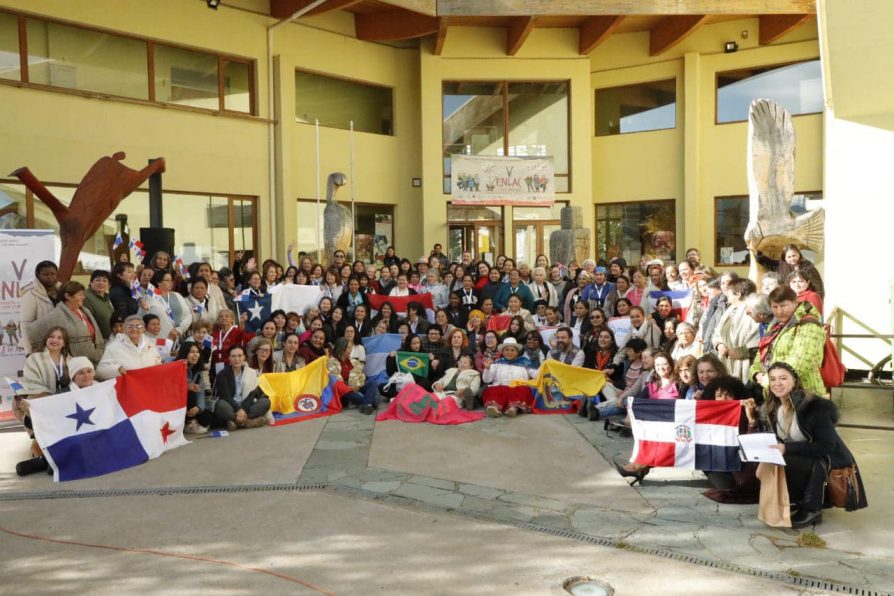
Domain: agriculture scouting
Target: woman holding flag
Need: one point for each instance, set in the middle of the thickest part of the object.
(199, 303)
(500, 397)
(172, 310)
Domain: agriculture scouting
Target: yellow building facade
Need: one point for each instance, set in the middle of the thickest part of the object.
(244, 164)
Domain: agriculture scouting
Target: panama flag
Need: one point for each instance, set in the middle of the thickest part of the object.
(118, 241)
(113, 425)
(681, 300)
(309, 392)
(400, 304)
(685, 433)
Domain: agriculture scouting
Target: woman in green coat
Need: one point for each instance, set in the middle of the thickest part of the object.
(795, 337)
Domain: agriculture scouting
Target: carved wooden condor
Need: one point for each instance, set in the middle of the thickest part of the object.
(103, 187)
(771, 186)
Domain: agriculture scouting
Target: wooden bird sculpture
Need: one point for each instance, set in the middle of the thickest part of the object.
(102, 188)
(771, 186)
(338, 225)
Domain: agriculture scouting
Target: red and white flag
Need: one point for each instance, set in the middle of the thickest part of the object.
(399, 304)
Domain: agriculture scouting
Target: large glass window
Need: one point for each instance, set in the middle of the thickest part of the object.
(476, 115)
(337, 102)
(186, 77)
(87, 60)
(636, 108)
(206, 227)
(10, 62)
(631, 230)
(373, 230)
(478, 230)
(731, 218)
(798, 87)
(75, 58)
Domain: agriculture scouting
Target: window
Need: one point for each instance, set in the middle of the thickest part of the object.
(336, 102)
(10, 61)
(206, 227)
(477, 114)
(636, 108)
(478, 230)
(533, 227)
(373, 230)
(798, 87)
(631, 230)
(186, 77)
(731, 218)
(88, 60)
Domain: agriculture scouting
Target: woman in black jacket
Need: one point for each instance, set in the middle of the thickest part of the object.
(121, 294)
(805, 426)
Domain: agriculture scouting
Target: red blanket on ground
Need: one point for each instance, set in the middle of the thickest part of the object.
(415, 404)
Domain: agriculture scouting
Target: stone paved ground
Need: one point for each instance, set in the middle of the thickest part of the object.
(502, 471)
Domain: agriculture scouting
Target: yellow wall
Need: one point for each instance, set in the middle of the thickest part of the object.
(60, 135)
(699, 160)
(480, 53)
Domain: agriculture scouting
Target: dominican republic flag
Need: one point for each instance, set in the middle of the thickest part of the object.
(303, 394)
(258, 310)
(681, 300)
(377, 349)
(400, 304)
(685, 433)
(113, 425)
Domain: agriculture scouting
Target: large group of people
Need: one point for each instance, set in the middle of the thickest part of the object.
(136, 316)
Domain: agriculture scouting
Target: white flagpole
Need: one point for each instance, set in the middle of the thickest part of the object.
(353, 186)
(319, 246)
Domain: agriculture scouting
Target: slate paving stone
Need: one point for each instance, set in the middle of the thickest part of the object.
(668, 534)
(381, 486)
(533, 501)
(499, 510)
(433, 482)
(335, 445)
(552, 520)
(604, 524)
(428, 494)
(477, 490)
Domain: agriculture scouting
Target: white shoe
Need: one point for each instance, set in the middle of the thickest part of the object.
(194, 428)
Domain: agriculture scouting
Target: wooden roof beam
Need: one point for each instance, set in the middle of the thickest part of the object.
(517, 32)
(283, 9)
(441, 36)
(595, 30)
(672, 30)
(622, 7)
(393, 25)
(774, 26)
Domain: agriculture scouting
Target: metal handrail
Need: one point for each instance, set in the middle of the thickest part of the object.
(835, 320)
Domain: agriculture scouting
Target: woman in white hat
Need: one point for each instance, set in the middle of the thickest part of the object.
(499, 398)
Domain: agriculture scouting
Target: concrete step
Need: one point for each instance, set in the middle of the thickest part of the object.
(865, 405)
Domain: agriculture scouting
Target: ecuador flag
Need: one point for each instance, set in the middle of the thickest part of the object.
(309, 392)
(559, 385)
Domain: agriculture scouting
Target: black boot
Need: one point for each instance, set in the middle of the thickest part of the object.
(32, 466)
(805, 517)
(584, 405)
(593, 412)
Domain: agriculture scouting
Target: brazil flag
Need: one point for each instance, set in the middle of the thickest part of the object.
(413, 362)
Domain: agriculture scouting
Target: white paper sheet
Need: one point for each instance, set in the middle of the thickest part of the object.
(756, 447)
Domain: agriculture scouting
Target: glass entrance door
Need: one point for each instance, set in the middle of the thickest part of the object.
(482, 240)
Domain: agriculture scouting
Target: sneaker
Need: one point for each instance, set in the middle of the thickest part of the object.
(256, 422)
(493, 411)
(194, 428)
(511, 411)
(32, 466)
(231, 425)
(366, 409)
